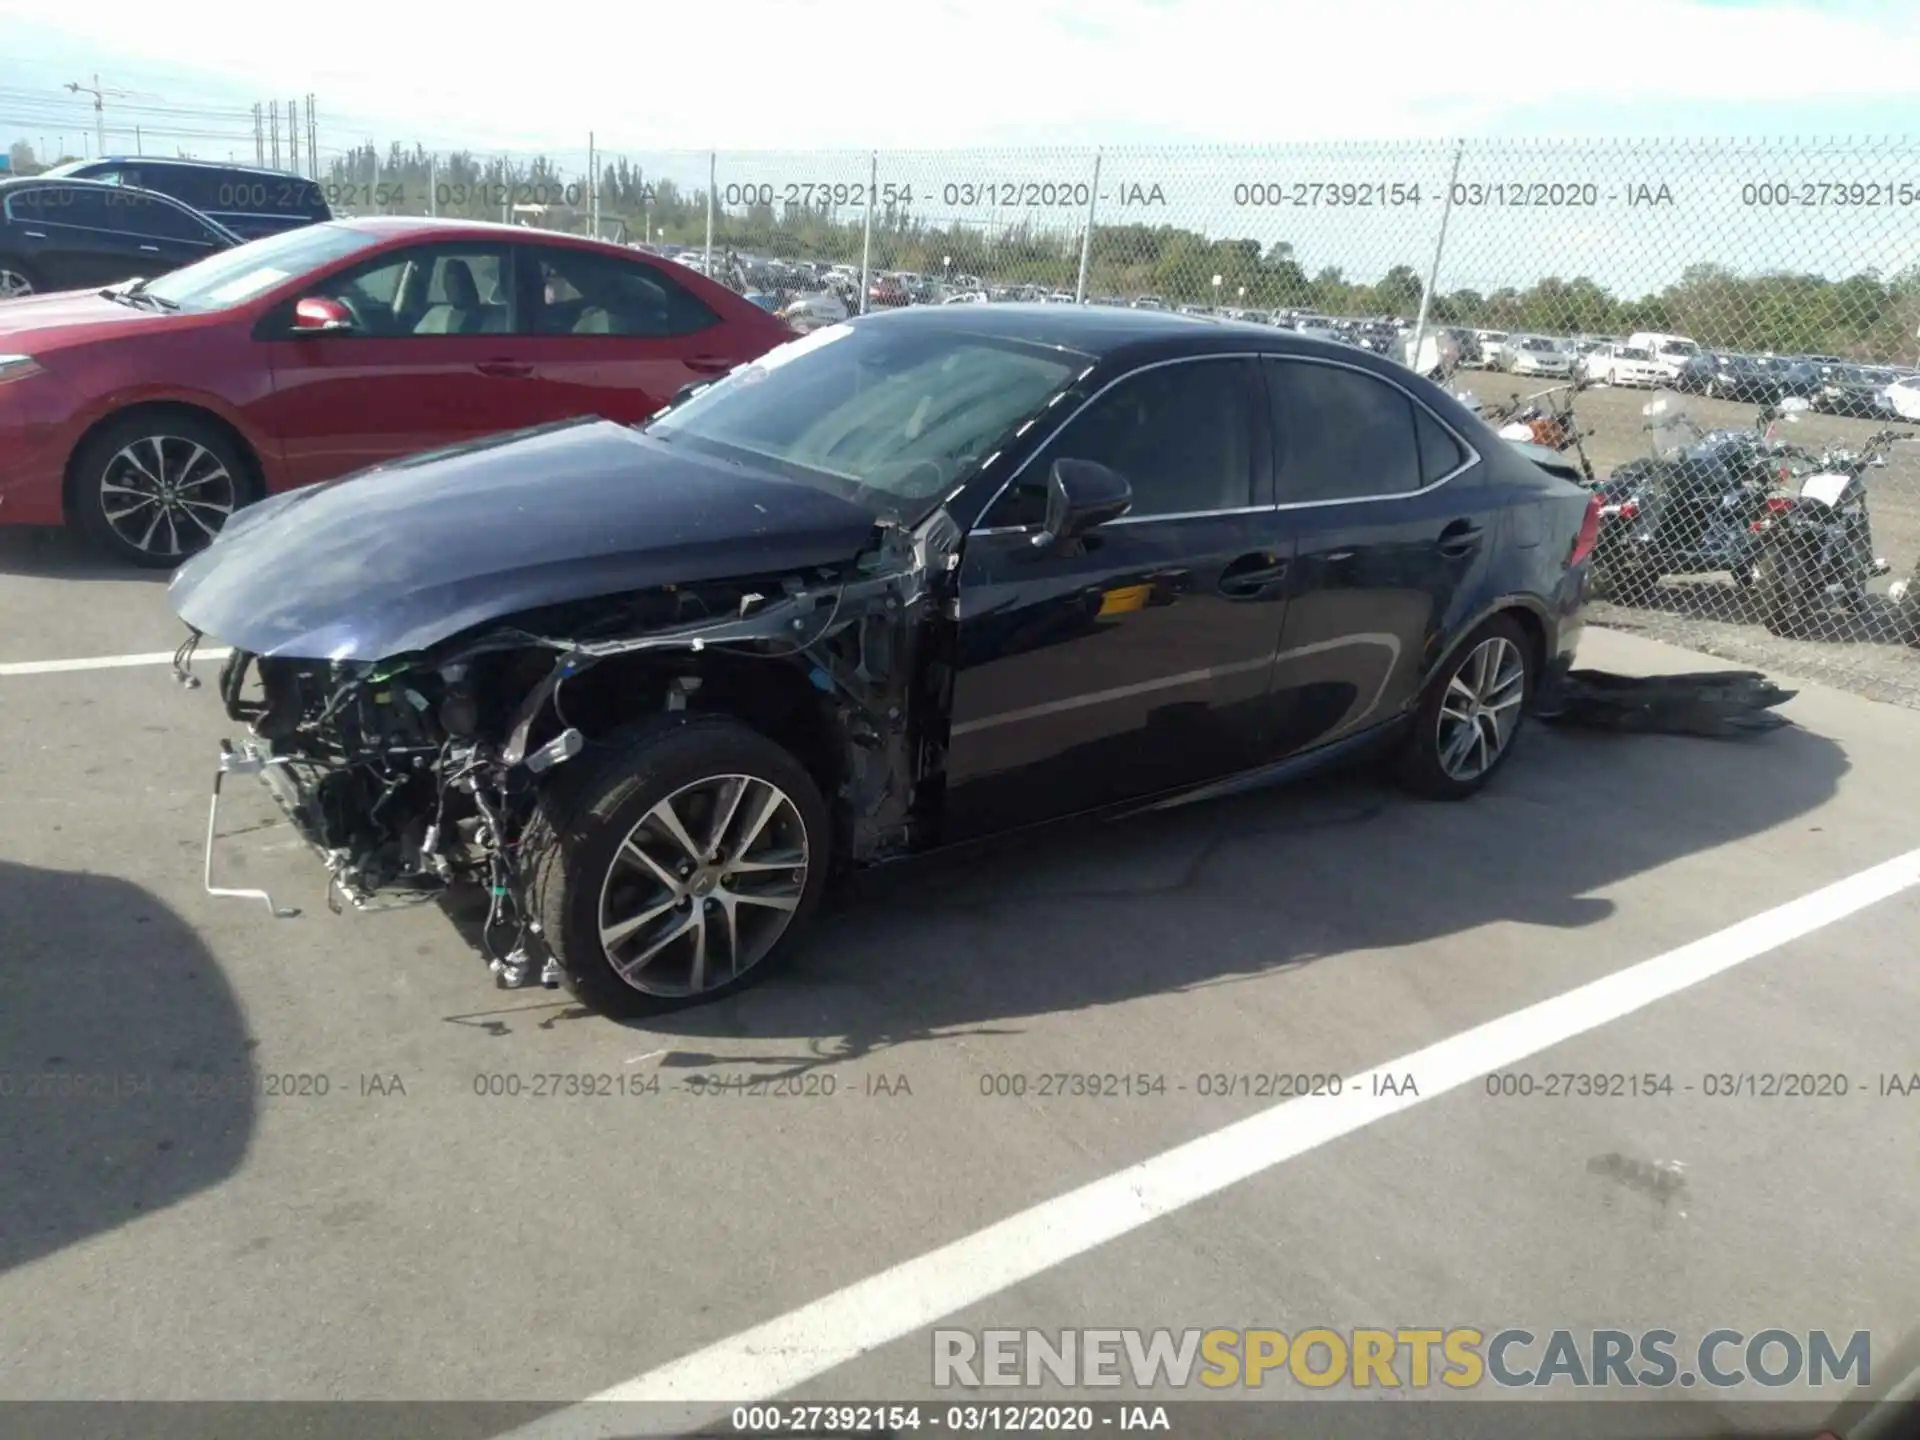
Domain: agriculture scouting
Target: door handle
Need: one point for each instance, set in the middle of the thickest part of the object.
(1462, 537)
(1252, 576)
(505, 369)
(709, 365)
(151, 249)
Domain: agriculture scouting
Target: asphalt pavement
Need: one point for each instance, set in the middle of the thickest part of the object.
(323, 1158)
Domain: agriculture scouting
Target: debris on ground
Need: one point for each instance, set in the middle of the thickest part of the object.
(1709, 702)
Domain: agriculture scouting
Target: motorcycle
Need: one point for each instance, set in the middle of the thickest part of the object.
(1691, 506)
(1820, 549)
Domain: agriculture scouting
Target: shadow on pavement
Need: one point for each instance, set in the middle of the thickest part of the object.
(43, 552)
(1245, 888)
(124, 1060)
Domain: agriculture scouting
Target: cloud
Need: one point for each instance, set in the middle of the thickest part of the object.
(806, 73)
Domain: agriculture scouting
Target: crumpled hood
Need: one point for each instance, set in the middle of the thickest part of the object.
(400, 557)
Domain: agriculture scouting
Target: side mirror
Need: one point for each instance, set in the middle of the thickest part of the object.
(317, 315)
(1080, 495)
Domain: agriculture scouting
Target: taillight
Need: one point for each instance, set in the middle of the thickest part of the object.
(1779, 504)
(1629, 509)
(1589, 535)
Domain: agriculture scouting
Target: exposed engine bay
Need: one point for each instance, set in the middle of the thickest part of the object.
(421, 772)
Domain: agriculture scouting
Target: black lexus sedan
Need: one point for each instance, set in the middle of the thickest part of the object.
(911, 581)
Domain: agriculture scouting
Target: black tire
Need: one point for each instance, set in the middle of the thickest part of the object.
(1421, 768)
(569, 849)
(1781, 592)
(204, 497)
(23, 275)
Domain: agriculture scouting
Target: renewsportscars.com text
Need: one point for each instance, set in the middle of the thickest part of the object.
(1461, 1358)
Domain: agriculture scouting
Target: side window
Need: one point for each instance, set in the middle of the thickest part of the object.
(138, 213)
(70, 205)
(1340, 434)
(428, 290)
(582, 292)
(202, 189)
(1440, 453)
(1179, 433)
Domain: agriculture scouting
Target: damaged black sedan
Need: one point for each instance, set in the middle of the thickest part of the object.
(910, 581)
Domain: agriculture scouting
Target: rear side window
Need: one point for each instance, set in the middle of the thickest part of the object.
(582, 292)
(61, 205)
(1340, 434)
(1440, 453)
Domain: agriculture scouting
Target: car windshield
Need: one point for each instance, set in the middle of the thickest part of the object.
(1631, 353)
(892, 417)
(235, 276)
(1679, 347)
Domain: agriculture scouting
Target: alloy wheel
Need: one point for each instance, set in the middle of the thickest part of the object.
(1481, 710)
(166, 495)
(13, 284)
(704, 886)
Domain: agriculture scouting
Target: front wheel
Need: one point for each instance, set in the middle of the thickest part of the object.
(1471, 714)
(153, 489)
(680, 869)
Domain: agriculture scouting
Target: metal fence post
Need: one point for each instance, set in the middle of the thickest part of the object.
(1086, 238)
(713, 172)
(866, 239)
(593, 190)
(1433, 270)
(433, 186)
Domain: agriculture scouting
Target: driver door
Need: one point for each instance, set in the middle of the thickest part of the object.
(1136, 659)
(431, 362)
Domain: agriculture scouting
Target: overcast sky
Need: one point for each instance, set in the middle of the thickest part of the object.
(1001, 75)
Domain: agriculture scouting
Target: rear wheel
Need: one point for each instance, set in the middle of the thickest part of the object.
(1471, 714)
(1783, 591)
(16, 280)
(154, 488)
(679, 870)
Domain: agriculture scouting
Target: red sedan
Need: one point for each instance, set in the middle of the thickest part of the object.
(147, 414)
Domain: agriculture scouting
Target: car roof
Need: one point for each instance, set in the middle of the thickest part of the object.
(1100, 331)
(181, 162)
(428, 227)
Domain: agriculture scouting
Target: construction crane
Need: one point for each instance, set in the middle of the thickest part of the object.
(99, 108)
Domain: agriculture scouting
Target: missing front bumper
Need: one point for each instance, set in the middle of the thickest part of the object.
(256, 757)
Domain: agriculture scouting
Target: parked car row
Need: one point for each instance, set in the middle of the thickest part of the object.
(100, 222)
(149, 411)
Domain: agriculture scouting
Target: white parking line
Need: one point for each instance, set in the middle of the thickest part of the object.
(101, 662)
(774, 1357)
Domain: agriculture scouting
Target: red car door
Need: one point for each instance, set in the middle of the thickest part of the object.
(618, 337)
(431, 359)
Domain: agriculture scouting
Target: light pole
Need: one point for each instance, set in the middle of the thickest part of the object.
(99, 109)
(1242, 297)
(1216, 292)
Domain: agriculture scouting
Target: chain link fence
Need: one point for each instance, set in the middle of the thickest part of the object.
(1727, 331)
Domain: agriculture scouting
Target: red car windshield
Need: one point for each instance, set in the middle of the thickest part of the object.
(236, 276)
